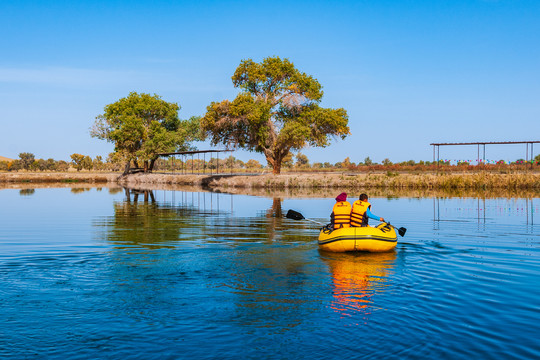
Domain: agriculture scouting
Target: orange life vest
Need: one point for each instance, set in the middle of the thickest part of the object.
(358, 214)
(341, 215)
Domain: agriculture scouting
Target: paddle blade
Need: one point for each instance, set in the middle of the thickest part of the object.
(295, 215)
(402, 231)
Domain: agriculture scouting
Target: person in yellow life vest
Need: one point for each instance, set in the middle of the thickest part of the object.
(361, 211)
(341, 213)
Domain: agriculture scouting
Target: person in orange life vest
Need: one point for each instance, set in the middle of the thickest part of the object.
(361, 211)
(341, 213)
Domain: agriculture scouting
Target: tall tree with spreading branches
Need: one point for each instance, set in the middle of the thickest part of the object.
(141, 126)
(276, 111)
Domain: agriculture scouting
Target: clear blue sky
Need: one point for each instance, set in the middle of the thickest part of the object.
(408, 72)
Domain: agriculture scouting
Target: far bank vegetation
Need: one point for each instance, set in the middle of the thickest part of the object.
(298, 163)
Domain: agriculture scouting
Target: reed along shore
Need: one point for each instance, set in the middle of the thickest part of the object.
(452, 181)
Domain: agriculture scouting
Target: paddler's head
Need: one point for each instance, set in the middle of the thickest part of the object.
(342, 197)
(363, 197)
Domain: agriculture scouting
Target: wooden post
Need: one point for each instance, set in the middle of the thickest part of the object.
(438, 160)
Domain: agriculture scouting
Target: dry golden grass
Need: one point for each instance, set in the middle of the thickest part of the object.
(296, 182)
(57, 177)
(381, 181)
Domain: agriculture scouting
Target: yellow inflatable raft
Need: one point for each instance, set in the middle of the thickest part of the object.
(373, 239)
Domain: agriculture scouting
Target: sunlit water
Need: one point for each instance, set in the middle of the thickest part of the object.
(99, 274)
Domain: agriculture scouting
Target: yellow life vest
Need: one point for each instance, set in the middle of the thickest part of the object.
(358, 213)
(341, 215)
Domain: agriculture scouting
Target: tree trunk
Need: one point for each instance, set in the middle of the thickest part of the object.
(276, 208)
(126, 169)
(151, 167)
(276, 168)
(145, 165)
(275, 158)
(276, 165)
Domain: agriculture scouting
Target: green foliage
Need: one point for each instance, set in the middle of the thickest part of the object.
(77, 161)
(537, 159)
(14, 165)
(302, 160)
(408, 163)
(52, 165)
(253, 164)
(141, 126)
(97, 163)
(26, 160)
(277, 111)
(87, 163)
(40, 165)
(62, 166)
(229, 161)
(386, 162)
(368, 161)
(287, 160)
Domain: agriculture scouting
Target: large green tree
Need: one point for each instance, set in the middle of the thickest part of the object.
(276, 111)
(141, 126)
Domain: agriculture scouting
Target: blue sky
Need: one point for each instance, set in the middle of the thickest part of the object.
(408, 72)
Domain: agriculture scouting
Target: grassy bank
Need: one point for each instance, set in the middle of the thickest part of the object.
(384, 181)
(58, 177)
(428, 181)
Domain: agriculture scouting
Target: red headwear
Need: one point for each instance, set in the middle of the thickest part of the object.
(341, 197)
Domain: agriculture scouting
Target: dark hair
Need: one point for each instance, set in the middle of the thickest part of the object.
(363, 197)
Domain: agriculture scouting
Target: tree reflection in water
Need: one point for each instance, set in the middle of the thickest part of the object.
(268, 226)
(165, 253)
(356, 279)
(27, 192)
(148, 223)
(144, 221)
(148, 195)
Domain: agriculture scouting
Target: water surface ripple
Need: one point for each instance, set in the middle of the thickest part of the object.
(105, 274)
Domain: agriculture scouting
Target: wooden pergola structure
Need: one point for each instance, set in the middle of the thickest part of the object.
(436, 147)
(184, 170)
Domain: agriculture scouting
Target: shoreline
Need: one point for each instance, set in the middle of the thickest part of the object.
(291, 181)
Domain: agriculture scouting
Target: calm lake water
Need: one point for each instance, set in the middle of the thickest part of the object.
(101, 273)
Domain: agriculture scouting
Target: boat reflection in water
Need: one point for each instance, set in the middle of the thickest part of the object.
(357, 279)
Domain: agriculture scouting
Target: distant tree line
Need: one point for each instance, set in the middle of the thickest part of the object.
(28, 162)
(290, 163)
(80, 162)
